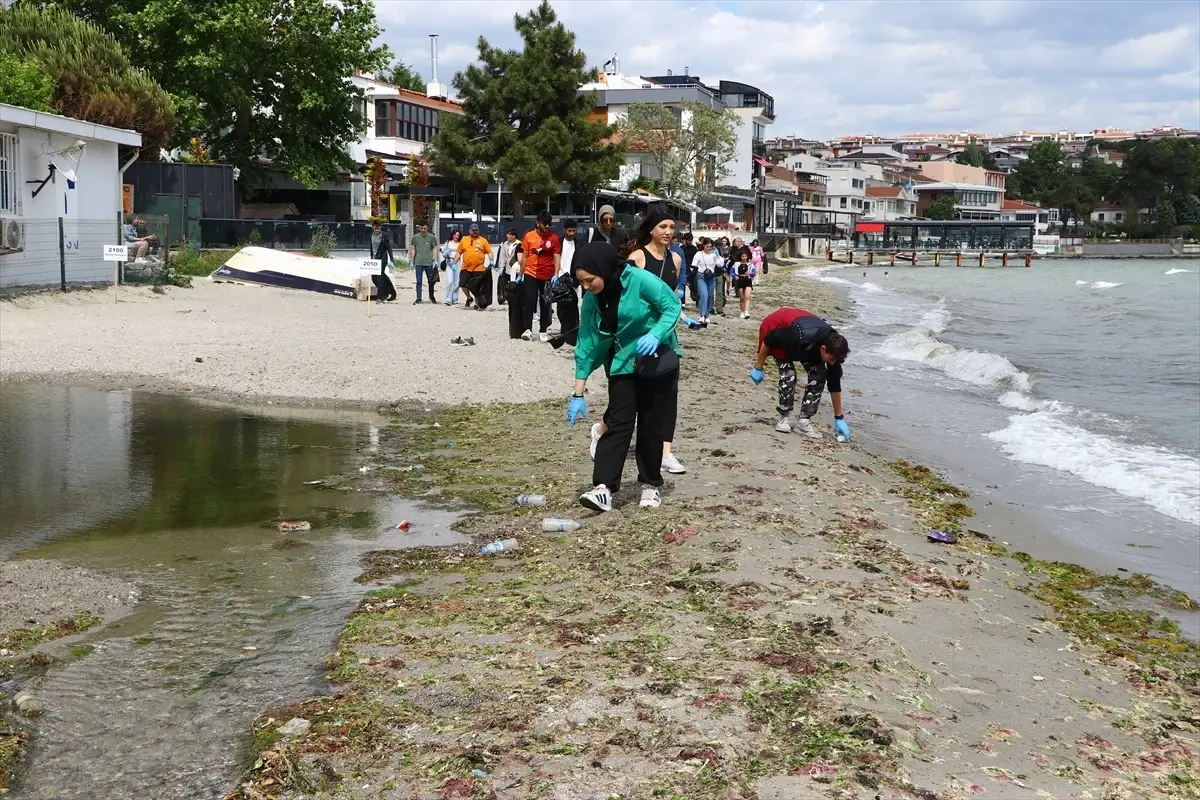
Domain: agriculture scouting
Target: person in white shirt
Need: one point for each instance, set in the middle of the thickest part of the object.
(509, 249)
(706, 262)
(568, 311)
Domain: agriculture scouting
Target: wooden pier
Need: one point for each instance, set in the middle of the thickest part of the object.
(931, 258)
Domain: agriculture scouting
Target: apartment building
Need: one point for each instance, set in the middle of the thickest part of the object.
(890, 203)
(971, 200)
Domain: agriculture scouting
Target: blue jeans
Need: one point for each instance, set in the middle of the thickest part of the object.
(451, 284)
(425, 271)
(706, 288)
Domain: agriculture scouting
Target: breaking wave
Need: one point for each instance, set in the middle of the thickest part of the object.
(979, 368)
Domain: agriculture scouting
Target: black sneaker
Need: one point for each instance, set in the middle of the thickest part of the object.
(468, 304)
(417, 302)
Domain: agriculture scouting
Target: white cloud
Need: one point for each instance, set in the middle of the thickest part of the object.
(1154, 49)
(868, 67)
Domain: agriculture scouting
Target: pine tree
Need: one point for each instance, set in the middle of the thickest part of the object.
(525, 118)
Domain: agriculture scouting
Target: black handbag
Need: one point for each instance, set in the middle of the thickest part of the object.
(664, 362)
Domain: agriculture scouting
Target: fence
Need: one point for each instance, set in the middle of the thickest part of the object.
(284, 234)
(65, 250)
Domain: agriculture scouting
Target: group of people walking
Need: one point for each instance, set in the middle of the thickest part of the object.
(633, 290)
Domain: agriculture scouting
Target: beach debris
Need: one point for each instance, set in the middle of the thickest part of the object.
(403, 526)
(979, 534)
(463, 341)
(531, 500)
(25, 704)
(289, 526)
(313, 483)
(294, 727)
(199, 360)
(942, 536)
(679, 535)
(1038, 678)
(478, 773)
(559, 525)
(498, 546)
(248, 649)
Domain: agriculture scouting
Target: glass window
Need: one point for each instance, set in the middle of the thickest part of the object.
(957, 236)
(989, 238)
(384, 118)
(843, 203)
(929, 237)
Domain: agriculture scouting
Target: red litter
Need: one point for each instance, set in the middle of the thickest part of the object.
(403, 525)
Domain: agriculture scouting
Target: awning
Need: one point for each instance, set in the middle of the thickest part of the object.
(762, 162)
(869, 227)
(718, 210)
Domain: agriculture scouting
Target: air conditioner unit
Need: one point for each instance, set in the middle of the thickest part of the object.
(12, 235)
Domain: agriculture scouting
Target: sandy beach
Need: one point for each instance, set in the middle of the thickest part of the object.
(250, 343)
(781, 629)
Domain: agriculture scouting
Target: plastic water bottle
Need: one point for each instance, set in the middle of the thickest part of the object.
(498, 546)
(531, 499)
(559, 525)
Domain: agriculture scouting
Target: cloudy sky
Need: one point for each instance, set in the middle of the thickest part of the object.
(884, 67)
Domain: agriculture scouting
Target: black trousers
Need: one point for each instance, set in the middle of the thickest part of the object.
(568, 321)
(651, 406)
(533, 295)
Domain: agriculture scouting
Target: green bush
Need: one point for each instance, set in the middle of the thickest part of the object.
(186, 262)
(24, 82)
(322, 243)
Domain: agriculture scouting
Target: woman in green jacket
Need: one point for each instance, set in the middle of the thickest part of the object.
(627, 314)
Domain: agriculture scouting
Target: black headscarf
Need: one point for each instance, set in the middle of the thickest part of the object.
(602, 260)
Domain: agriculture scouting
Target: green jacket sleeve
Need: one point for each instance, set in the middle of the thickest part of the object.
(587, 338)
(664, 307)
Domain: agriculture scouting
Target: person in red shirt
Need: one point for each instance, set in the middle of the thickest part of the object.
(541, 255)
(792, 334)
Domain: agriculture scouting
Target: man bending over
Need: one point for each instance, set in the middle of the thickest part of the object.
(792, 335)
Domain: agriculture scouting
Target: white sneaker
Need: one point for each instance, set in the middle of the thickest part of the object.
(527, 336)
(784, 425)
(650, 498)
(671, 464)
(598, 499)
(544, 337)
(805, 426)
(595, 440)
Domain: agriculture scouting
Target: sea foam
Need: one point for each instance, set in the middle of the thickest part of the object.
(1163, 479)
(976, 367)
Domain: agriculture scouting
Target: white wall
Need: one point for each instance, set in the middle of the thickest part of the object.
(741, 168)
(90, 210)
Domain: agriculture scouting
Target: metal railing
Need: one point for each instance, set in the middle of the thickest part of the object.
(66, 251)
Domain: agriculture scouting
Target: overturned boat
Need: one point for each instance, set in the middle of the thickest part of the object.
(288, 270)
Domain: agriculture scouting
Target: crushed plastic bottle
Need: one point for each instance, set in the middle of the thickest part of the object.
(559, 525)
(531, 500)
(498, 546)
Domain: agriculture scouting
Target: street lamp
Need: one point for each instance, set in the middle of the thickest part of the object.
(499, 189)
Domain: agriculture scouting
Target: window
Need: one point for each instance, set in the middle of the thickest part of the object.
(1100, 217)
(856, 183)
(398, 119)
(843, 203)
(10, 185)
(1118, 216)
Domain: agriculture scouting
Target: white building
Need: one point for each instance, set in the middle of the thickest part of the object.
(845, 181)
(890, 203)
(756, 110)
(1019, 211)
(971, 200)
(37, 151)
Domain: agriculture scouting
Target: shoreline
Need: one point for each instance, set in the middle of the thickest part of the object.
(802, 573)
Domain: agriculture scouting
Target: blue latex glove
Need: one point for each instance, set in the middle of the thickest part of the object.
(680, 293)
(840, 428)
(647, 345)
(520, 277)
(757, 375)
(694, 324)
(575, 409)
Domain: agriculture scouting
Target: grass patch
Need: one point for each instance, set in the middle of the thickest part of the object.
(12, 752)
(184, 261)
(23, 639)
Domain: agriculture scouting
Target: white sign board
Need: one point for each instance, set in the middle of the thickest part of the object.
(369, 266)
(116, 252)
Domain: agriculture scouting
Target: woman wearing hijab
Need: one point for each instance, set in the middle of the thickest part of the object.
(627, 324)
(451, 256)
(653, 253)
(607, 230)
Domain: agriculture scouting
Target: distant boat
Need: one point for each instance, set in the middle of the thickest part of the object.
(911, 257)
(288, 270)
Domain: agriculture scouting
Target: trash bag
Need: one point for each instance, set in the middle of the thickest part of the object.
(502, 283)
(515, 308)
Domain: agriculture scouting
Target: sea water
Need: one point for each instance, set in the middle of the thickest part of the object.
(1072, 387)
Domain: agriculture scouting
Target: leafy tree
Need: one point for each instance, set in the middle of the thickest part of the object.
(651, 185)
(1164, 217)
(255, 78)
(974, 155)
(24, 82)
(1073, 197)
(91, 76)
(1187, 209)
(525, 119)
(1100, 176)
(1164, 168)
(690, 150)
(404, 76)
(1040, 176)
(941, 208)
